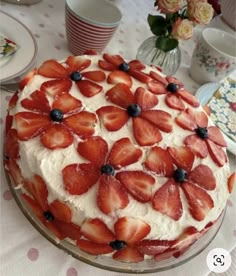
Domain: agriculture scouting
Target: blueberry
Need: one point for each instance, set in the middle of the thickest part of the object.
(48, 216)
(76, 76)
(124, 67)
(172, 87)
(56, 115)
(108, 169)
(117, 245)
(180, 175)
(202, 132)
(134, 110)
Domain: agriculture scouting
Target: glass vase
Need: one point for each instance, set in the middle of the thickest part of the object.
(150, 55)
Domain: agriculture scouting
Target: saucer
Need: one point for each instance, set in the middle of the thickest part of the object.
(14, 66)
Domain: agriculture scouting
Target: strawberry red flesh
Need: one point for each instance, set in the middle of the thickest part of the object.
(117, 76)
(93, 248)
(182, 157)
(55, 87)
(128, 255)
(52, 69)
(203, 176)
(88, 88)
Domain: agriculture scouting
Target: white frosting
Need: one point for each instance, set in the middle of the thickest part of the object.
(36, 159)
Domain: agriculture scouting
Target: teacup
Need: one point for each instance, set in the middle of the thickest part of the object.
(214, 56)
(90, 24)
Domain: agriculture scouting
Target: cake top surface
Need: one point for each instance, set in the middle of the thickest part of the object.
(113, 140)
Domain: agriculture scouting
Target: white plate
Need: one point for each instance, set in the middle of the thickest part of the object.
(14, 66)
(204, 94)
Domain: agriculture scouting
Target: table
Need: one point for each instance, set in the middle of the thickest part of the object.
(23, 250)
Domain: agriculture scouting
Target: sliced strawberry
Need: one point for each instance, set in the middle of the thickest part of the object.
(199, 201)
(34, 206)
(68, 230)
(145, 99)
(203, 176)
(11, 145)
(37, 102)
(90, 52)
(120, 95)
(14, 172)
(55, 87)
(118, 76)
(88, 88)
(27, 78)
(113, 117)
(136, 64)
(217, 154)
(215, 135)
(182, 156)
(79, 178)
(159, 118)
(106, 65)
(61, 211)
(56, 136)
(123, 153)
(153, 247)
(159, 161)
(166, 200)
(83, 123)
(66, 103)
(145, 133)
(138, 183)
(131, 230)
(199, 117)
(164, 255)
(97, 231)
(77, 63)
(52, 228)
(94, 248)
(188, 237)
(113, 59)
(158, 78)
(189, 98)
(96, 75)
(156, 87)
(197, 145)
(29, 125)
(8, 123)
(173, 101)
(93, 149)
(53, 69)
(186, 121)
(140, 76)
(231, 181)
(172, 79)
(13, 100)
(112, 195)
(128, 255)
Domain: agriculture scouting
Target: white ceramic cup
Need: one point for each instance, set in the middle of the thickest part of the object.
(90, 24)
(214, 56)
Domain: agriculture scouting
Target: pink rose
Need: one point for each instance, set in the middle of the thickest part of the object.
(169, 6)
(200, 12)
(182, 29)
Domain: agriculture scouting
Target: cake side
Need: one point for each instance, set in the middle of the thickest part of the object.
(187, 155)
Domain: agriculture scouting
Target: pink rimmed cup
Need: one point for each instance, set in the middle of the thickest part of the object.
(90, 24)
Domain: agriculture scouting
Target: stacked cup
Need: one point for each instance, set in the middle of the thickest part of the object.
(90, 24)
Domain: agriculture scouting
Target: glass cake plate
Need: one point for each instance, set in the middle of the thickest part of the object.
(105, 262)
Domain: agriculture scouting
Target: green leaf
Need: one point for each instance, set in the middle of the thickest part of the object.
(166, 44)
(157, 24)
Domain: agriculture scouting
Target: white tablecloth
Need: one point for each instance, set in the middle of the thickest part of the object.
(23, 251)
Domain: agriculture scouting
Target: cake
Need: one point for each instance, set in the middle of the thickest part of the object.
(116, 157)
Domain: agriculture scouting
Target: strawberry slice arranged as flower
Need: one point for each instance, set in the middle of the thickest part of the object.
(123, 71)
(176, 164)
(112, 189)
(72, 70)
(55, 125)
(56, 216)
(98, 239)
(176, 95)
(206, 139)
(146, 123)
